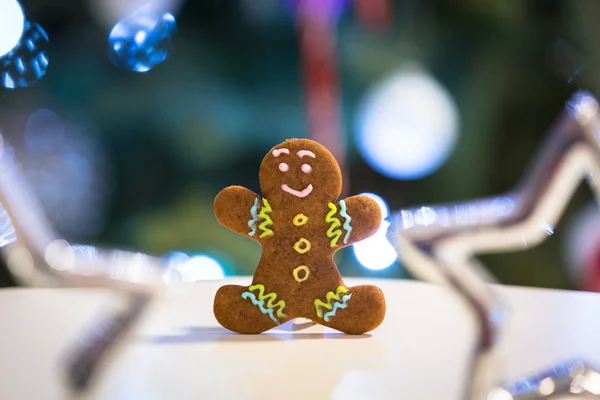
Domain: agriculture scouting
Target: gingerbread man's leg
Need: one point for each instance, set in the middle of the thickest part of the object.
(246, 309)
(354, 310)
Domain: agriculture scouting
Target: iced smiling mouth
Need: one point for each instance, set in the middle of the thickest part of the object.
(298, 193)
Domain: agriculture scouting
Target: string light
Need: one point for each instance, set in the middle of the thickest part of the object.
(12, 23)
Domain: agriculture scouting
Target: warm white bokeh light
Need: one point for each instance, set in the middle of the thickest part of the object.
(376, 252)
(12, 23)
(196, 268)
(407, 125)
(108, 12)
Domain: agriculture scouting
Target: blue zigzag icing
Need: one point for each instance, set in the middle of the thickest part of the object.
(261, 305)
(254, 220)
(347, 218)
(336, 305)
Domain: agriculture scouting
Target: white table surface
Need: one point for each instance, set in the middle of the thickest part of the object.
(180, 352)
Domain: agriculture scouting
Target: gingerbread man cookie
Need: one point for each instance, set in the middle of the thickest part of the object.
(299, 226)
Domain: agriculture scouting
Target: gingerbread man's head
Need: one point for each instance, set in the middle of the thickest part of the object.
(300, 170)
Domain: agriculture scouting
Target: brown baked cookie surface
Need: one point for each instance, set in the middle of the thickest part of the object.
(300, 226)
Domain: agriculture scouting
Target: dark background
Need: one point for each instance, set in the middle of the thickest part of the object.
(166, 141)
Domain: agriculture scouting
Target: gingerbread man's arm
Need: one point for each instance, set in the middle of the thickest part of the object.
(237, 208)
(360, 216)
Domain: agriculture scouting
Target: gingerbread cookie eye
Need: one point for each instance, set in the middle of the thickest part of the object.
(283, 167)
(307, 169)
(307, 153)
(277, 152)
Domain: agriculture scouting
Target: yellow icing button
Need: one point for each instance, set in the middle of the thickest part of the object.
(300, 219)
(298, 270)
(299, 243)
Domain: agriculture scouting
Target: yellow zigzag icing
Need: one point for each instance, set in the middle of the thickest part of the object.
(330, 299)
(264, 213)
(333, 233)
(271, 298)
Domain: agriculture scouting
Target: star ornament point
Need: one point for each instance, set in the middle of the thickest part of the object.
(439, 243)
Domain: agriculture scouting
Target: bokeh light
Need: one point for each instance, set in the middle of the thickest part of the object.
(197, 267)
(106, 12)
(26, 63)
(319, 9)
(12, 23)
(407, 125)
(141, 40)
(376, 252)
(65, 166)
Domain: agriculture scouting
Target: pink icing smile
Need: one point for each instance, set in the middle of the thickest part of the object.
(305, 192)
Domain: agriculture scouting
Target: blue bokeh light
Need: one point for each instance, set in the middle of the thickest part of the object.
(64, 164)
(142, 40)
(319, 9)
(26, 63)
(407, 126)
(44, 132)
(12, 24)
(376, 252)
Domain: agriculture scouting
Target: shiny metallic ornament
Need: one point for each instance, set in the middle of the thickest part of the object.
(27, 62)
(142, 40)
